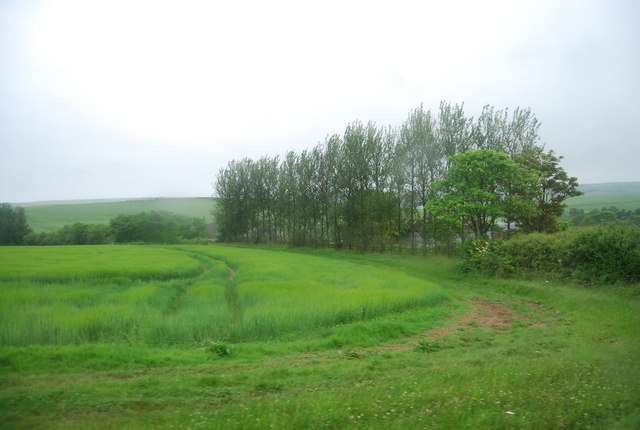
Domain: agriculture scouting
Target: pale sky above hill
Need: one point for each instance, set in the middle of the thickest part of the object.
(129, 98)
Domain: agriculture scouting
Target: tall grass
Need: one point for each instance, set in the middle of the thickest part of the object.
(188, 295)
(571, 358)
(282, 293)
(95, 263)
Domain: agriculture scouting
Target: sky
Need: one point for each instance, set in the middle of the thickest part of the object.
(136, 98)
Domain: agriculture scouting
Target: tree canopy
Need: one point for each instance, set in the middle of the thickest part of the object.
(14, 227)
(555, 187)
(482, 186)
(371, 186)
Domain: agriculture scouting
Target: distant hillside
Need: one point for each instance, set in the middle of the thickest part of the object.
(77, 202)
(50, 216)
(623, 195)
(617, 188)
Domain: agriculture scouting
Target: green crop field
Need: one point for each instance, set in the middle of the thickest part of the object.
(48, 218)
(589, 202)
(623, 195)
(241, 337)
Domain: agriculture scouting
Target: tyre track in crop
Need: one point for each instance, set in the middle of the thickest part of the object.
(230, 291)
(233, 299)
(486, 314)
(174, 303)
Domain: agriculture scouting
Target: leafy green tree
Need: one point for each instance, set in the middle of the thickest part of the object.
(422, 157)
(605, 217)
(454, 131)
(480, 187)
(364, 188)
(553, 189)
(154, 227)
(13, 225)
(495, 130)
(233, 210)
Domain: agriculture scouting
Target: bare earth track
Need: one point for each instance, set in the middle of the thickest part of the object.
(486, 314)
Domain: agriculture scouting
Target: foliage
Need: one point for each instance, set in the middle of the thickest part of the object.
(76, 234)
(155, 227)
(364, 189)
(481, 186)
(144, 227)
(579, 218)
(426, 345)
(599, 254)
(554, 188)
(13, 225)
(219, 348)
(48, 218)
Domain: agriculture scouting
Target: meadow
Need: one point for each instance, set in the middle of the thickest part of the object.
(244, 337)
(50, 217)
(590, 202)
(622, 195)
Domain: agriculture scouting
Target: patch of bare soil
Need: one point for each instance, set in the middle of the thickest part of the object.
(486, 314)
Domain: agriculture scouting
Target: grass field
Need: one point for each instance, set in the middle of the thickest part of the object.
(623, 195)
(589, 202)
(48, 218)
(316, 339)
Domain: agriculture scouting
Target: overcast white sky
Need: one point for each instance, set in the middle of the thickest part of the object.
(127, 98)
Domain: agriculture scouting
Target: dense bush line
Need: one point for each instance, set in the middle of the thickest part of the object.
(578, 217)
(598, 254)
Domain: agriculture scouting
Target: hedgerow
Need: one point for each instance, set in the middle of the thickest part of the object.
(600, 254)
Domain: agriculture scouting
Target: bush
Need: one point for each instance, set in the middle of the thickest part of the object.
(156, 227)
(608, 253)
(426, 345)
(220, 348)
(598, 254)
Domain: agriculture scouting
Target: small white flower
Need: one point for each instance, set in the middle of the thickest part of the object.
(510, 413)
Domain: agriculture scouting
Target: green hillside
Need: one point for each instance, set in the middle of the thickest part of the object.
(612, 188)
(623, 195)
(48, 218)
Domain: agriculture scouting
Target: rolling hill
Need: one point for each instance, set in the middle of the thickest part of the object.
(623, 195)
(50, 216)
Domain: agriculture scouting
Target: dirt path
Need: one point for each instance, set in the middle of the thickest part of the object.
(486, 314)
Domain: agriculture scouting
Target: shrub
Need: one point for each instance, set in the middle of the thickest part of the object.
(605, 253)
(220, 348)
(608, 253)
(426, 345)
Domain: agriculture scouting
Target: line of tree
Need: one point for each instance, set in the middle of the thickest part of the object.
(144, 227)
(14, 227)
(373, 186)
(579, 218)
